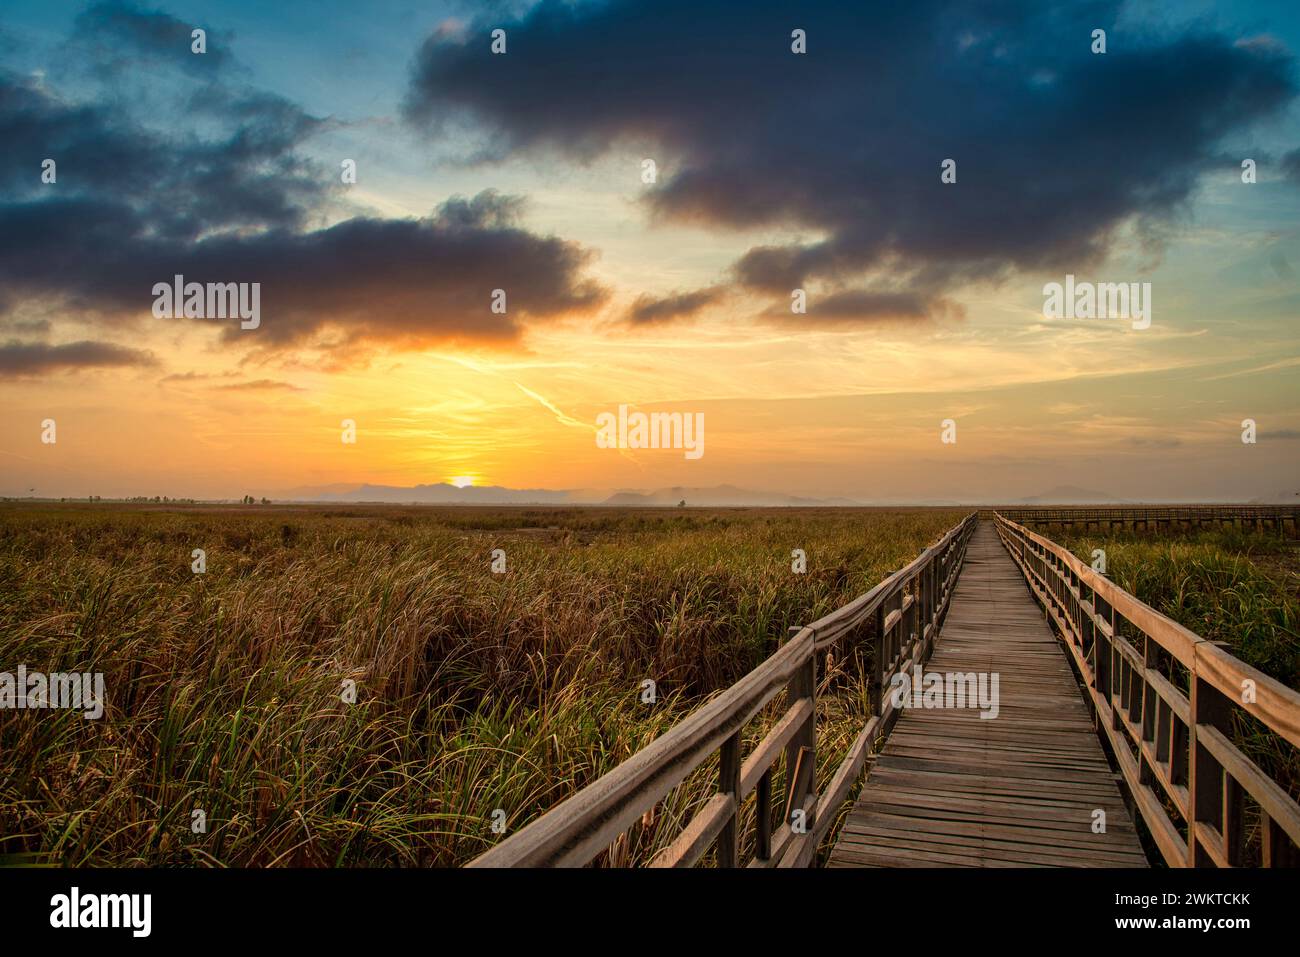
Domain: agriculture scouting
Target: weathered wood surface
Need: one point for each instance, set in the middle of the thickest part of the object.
(949, 788)
(953, 789)
(1169, 703)
(579, 828)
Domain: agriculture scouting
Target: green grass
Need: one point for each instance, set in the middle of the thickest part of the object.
(1239, 588)
(475, 691)
(1228, 585)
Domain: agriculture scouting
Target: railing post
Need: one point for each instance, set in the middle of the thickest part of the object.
(931, 604)
(878, 664)
(908, 620)
(1088, 631)
(763, 812)
(803, 684)
(1276, 849)
(1150, 712)
(944, 560)
(1207, 790)
(729, 783)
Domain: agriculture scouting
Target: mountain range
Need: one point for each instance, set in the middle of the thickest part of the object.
(713, 496)
(445, 494)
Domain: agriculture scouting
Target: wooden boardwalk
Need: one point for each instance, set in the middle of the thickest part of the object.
(947, 787)
(952, 789)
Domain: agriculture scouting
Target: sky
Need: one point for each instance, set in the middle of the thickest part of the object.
(648, 184)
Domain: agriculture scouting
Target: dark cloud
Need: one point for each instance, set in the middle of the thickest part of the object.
(863, 306)
(408, 281)
(650, 310)
(1291, 166)
(133, 206)
(121, 32)
(246, 176)
(399, 281)
(1056, 147)
(37, 358)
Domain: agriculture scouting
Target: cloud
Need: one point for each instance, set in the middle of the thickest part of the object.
(399, 281)
(26, 326)
(178, 186)
(190, 376)
(35, 358)
(864, 306)
(133, 206)
(651, 310)
(1056, 148)
(119, 32)
(259, 385)
(1153, 441)
(1291, 166)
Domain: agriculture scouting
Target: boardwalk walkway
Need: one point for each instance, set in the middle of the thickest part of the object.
(952, 789)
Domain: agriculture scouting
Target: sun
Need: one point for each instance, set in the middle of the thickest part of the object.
(463, 481)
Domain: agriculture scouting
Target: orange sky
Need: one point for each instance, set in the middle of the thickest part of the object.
(1141, 415)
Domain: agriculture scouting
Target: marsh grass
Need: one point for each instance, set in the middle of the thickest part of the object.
(1238, 587)
(475, 691)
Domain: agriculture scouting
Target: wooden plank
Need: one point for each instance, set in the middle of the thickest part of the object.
(729, 784)
(579, 828)
(690, 845)
(575, 831)
(769, 749)
(950, 788)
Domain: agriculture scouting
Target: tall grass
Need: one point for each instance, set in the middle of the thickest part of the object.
(1229, 585)
(476, 691)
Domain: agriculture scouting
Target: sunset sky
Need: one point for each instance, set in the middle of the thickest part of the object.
(775, 171)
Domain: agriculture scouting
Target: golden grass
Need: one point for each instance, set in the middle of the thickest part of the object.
(476, 691)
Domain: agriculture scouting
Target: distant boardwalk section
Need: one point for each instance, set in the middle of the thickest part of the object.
(1275, 518)
(986, 745)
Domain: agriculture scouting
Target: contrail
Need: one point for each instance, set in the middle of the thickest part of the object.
(560, 416)
(570, 420)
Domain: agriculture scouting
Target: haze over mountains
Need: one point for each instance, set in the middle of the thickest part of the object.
(714, 496)
(1071, 495)
(445, 494)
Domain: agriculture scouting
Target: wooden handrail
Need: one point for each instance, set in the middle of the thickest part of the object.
(907, 609)
(1174, 747)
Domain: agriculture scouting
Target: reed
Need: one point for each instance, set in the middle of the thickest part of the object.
(1237, 587)
(475, 691)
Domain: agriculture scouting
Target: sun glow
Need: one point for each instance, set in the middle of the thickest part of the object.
(463, 481)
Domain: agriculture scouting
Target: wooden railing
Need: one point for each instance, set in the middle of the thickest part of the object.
(1278, 518)
(903, 613)
(1171, 704)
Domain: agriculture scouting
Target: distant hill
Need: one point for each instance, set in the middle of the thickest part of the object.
(717, 496)
(444, 494)
(1072, 495)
